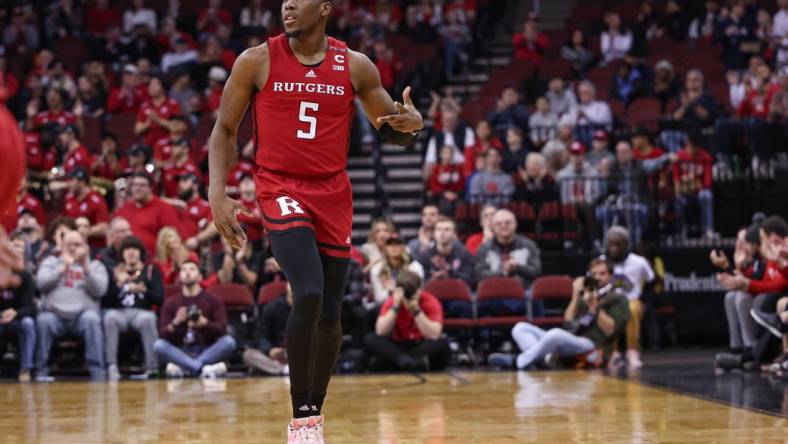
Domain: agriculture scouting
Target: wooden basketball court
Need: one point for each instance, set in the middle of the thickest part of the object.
(465, 407)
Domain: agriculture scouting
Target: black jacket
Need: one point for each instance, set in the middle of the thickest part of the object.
(19, 298)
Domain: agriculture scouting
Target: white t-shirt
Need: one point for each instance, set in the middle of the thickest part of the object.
(780, 23)
(632, 274)
(448, 139)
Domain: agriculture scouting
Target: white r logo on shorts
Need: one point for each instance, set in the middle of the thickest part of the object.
(285, 205)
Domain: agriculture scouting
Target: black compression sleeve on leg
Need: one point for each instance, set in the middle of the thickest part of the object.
(296, 252)
(390, 135)
(329, 328)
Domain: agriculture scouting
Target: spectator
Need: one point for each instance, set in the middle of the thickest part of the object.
(561, 98)
(89, 98)
(424, 240)
(666, 85)
(71, 286)
(692, 182)
(509, 113)
(703, 25)
(55, 231)
(269, 354)
(543, 123)
(139, 163)
(757, 99)
(676, 21)
(631, 274)
(253, 225)
(533, 183)
(119, 229)
(193, 329)
(741, 83)
(485, 139)
(581, 187)
(447, 257)
(697, 109)
(780, 22)
(255, 18)
(735, 34)
(454, 133)
(139, 15)
(383, 275)
(135, 291)
(213, 94)
(595, 317)
(76, 155)
(530, 44)
(589, 111)
(491, 185)
(82, 201)
(146, 213)
(577, 52)
(21, 35)
(644, 29)
(515, 152)
(83, 227)
(408, 329)
(153, 119)
(456, 35)
(190, 101)
(163, 150)
(195, 212)
(180, 57)
(447, 181)
(555, 151)
(108, 165)
(179, 165)
(170, 254)
(125, 98)
(17, 310)
(627, 84)
(600, 156)
(615, 42)
(238, 267)
(508, 253)
(212, 17)
(379, 233)
(476, 240)
(100, 17)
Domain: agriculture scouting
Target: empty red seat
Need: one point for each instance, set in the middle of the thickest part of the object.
(453, 291)
(234, 296)
(552, 288)
(501, 289)
(271, 291)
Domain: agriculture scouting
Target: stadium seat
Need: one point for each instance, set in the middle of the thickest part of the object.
(233, 295)
(71, 50)
(238, 303)
(271, 291)
(501, 302)
(91, 136)
(525, 215)
(548, 289)
(644, 111)
(456, 300)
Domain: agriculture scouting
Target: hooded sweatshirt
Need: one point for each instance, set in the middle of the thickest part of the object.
(69, 293)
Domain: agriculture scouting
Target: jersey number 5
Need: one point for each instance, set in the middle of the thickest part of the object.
(311, 120)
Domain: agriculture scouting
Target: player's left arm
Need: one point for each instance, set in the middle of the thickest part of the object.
(396, 122)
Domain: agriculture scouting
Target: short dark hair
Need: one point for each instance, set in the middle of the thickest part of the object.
(409, 281)
(142, 175)
(601, 261)
(775, 225)
(133, 242)
(55, 223)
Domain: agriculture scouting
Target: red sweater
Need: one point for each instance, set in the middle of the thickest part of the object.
(693, 170)
(212, 308)
(447, 178)
(775, 280)
(529, 51)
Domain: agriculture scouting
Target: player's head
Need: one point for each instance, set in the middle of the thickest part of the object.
(305, 16)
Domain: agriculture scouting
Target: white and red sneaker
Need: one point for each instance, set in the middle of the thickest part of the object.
(305, 430)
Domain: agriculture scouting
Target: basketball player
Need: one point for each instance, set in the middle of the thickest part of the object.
(12, 170)
(301, 87)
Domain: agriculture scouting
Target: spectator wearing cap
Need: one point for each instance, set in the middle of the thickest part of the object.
(193, 329)
(408, 329)
(692, 181)
(581, 186)
(135, 289)
(108, 165)
(194, 212)
(153, 119)
(83, 201)
(125, 98)
(71, 286)
(509, 113)
(55, 113)
(181, 56)
(139, 160)
(383, 275)
(508, 254)
(179, 164)
(76, 155)
(615, 42)
(474, 241)
(491, 185)
(213, 94)
(530, 44)
(600, 156)
(146, 213)
(162, 150)
(543, 123)
(447, 257)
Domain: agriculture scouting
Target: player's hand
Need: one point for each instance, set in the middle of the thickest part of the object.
(224, 218)
(407, 119)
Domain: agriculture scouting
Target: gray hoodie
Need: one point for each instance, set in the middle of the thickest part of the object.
(69, 293)
(524, 252)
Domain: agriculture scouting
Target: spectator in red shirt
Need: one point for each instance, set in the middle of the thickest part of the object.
(757, 101)
(475, 240)
(485, 139)
(253, 225)
(40, 151)
(388, 64)
(26, 202)
(76, 155)
(153, 118)
(530, 45)
(146, 213)
(212, 17)
(56, 112)
(125, 98)
(162, 151)
(101, 16)
(108, 165)
(692, 181)
(244, 167)
(139, 162)
(179, 164)
(194, 212)
(213, 94)
(408, 329)
(446, 181)
(82, 201)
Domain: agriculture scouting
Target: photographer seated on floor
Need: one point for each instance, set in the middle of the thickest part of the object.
(408, 329)
(596, 316)
(193, 329)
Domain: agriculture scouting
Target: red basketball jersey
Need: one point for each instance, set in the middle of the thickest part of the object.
(12, 169)
(302, 116)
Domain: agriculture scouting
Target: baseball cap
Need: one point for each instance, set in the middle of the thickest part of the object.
(577, 148)
(70, 128)
(217, 74)
(600, 135)
(186, 175)
(181, 142)
(79, 173)
(129, 68)
(193, 258)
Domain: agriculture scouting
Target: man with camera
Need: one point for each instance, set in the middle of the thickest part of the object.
(408, 329)
(595, 317)
(193, 329)
(135, 289)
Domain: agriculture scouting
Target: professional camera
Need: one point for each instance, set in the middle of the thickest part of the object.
(590, 284)
(193, 313)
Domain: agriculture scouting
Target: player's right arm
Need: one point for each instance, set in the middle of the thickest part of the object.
(249, 72)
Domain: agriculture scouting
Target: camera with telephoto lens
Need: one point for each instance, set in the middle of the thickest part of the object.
(193, 313)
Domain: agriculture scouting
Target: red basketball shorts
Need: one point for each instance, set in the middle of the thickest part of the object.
(324, 206)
